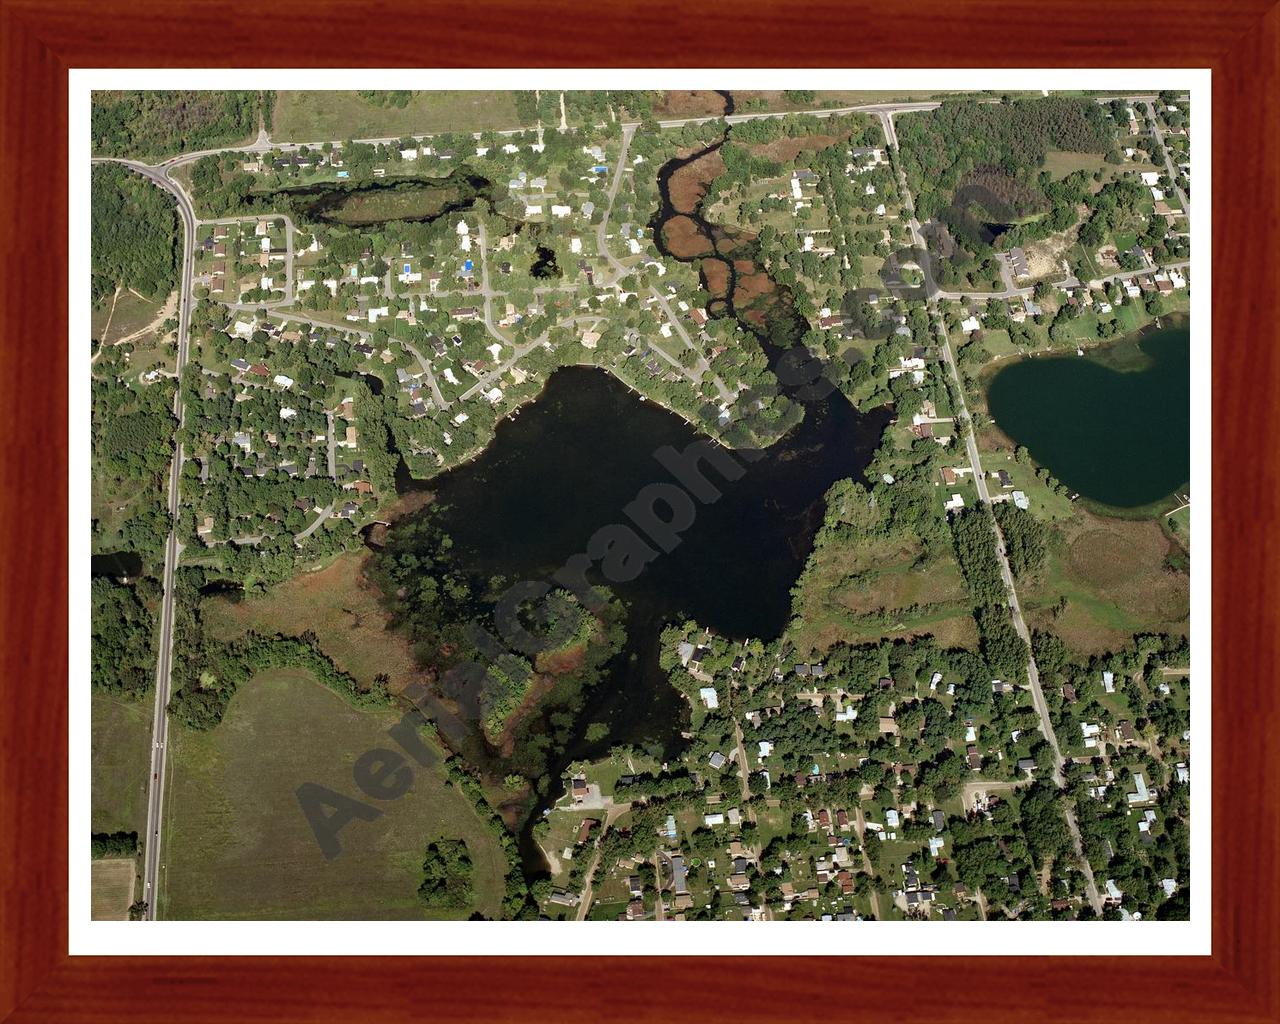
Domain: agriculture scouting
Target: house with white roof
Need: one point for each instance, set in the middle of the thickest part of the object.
(1143, 794)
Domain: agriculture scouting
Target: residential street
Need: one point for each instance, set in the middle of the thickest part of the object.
(965, 426)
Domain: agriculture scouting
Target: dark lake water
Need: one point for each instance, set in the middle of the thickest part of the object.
(571, 461)
(545, 265)
(1114, 425)
(568, 464)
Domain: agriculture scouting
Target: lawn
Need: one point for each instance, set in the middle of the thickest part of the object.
(121, 758)
(314, 116)
(111, 888)
(237, 845)
(1059, 163)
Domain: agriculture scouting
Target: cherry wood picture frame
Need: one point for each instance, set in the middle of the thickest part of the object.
(40, 40)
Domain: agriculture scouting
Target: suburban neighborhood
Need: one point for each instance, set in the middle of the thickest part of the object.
(347, 386)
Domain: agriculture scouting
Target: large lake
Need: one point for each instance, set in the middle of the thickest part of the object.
(570, 462)
(1114, 425)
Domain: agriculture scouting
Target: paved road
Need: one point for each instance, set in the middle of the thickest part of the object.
(263, 144)
(485, 290)
(172, 550)
(602, 247)
(975, 461)
(1170, 170)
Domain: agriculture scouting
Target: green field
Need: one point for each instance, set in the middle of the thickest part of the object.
(121, 732)
(125, 315)
(237, 844)
(338, 606)
(1059, 163)
(331, 116)
(845, 593)
(1114, 575)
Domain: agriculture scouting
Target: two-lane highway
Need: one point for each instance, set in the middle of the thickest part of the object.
(172, 550)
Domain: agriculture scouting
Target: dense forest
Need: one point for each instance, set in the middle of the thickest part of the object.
(134, 234)
(940, 147)
(1005, 652)
(1026, 538)
(113, 844)
(133, 430)
(123, 629)
(152, 123)
(976, 168)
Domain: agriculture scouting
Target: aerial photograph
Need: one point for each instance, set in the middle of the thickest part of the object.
(631, 505)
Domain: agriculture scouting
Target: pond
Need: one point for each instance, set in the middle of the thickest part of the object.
(1114, 425)
(411, 200)
(116, 564)
(545, 265)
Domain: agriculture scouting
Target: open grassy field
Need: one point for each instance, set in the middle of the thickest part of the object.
(859, 593)
(111, 888)
(1114, 575)
(238, 846)
(121, 744)
(1059, 163)
(127, 313)
(316, 116)
(338, 605)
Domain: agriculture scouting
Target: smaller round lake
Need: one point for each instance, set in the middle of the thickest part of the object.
(1114, 425)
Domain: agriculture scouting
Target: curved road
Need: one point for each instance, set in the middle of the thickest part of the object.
(172, 549)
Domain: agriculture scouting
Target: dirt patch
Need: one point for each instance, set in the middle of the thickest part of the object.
(688, 184)
(111, 888)
(557, 663)
(1044, 258)
(167, 310)
(678, 103)
(683, 239)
